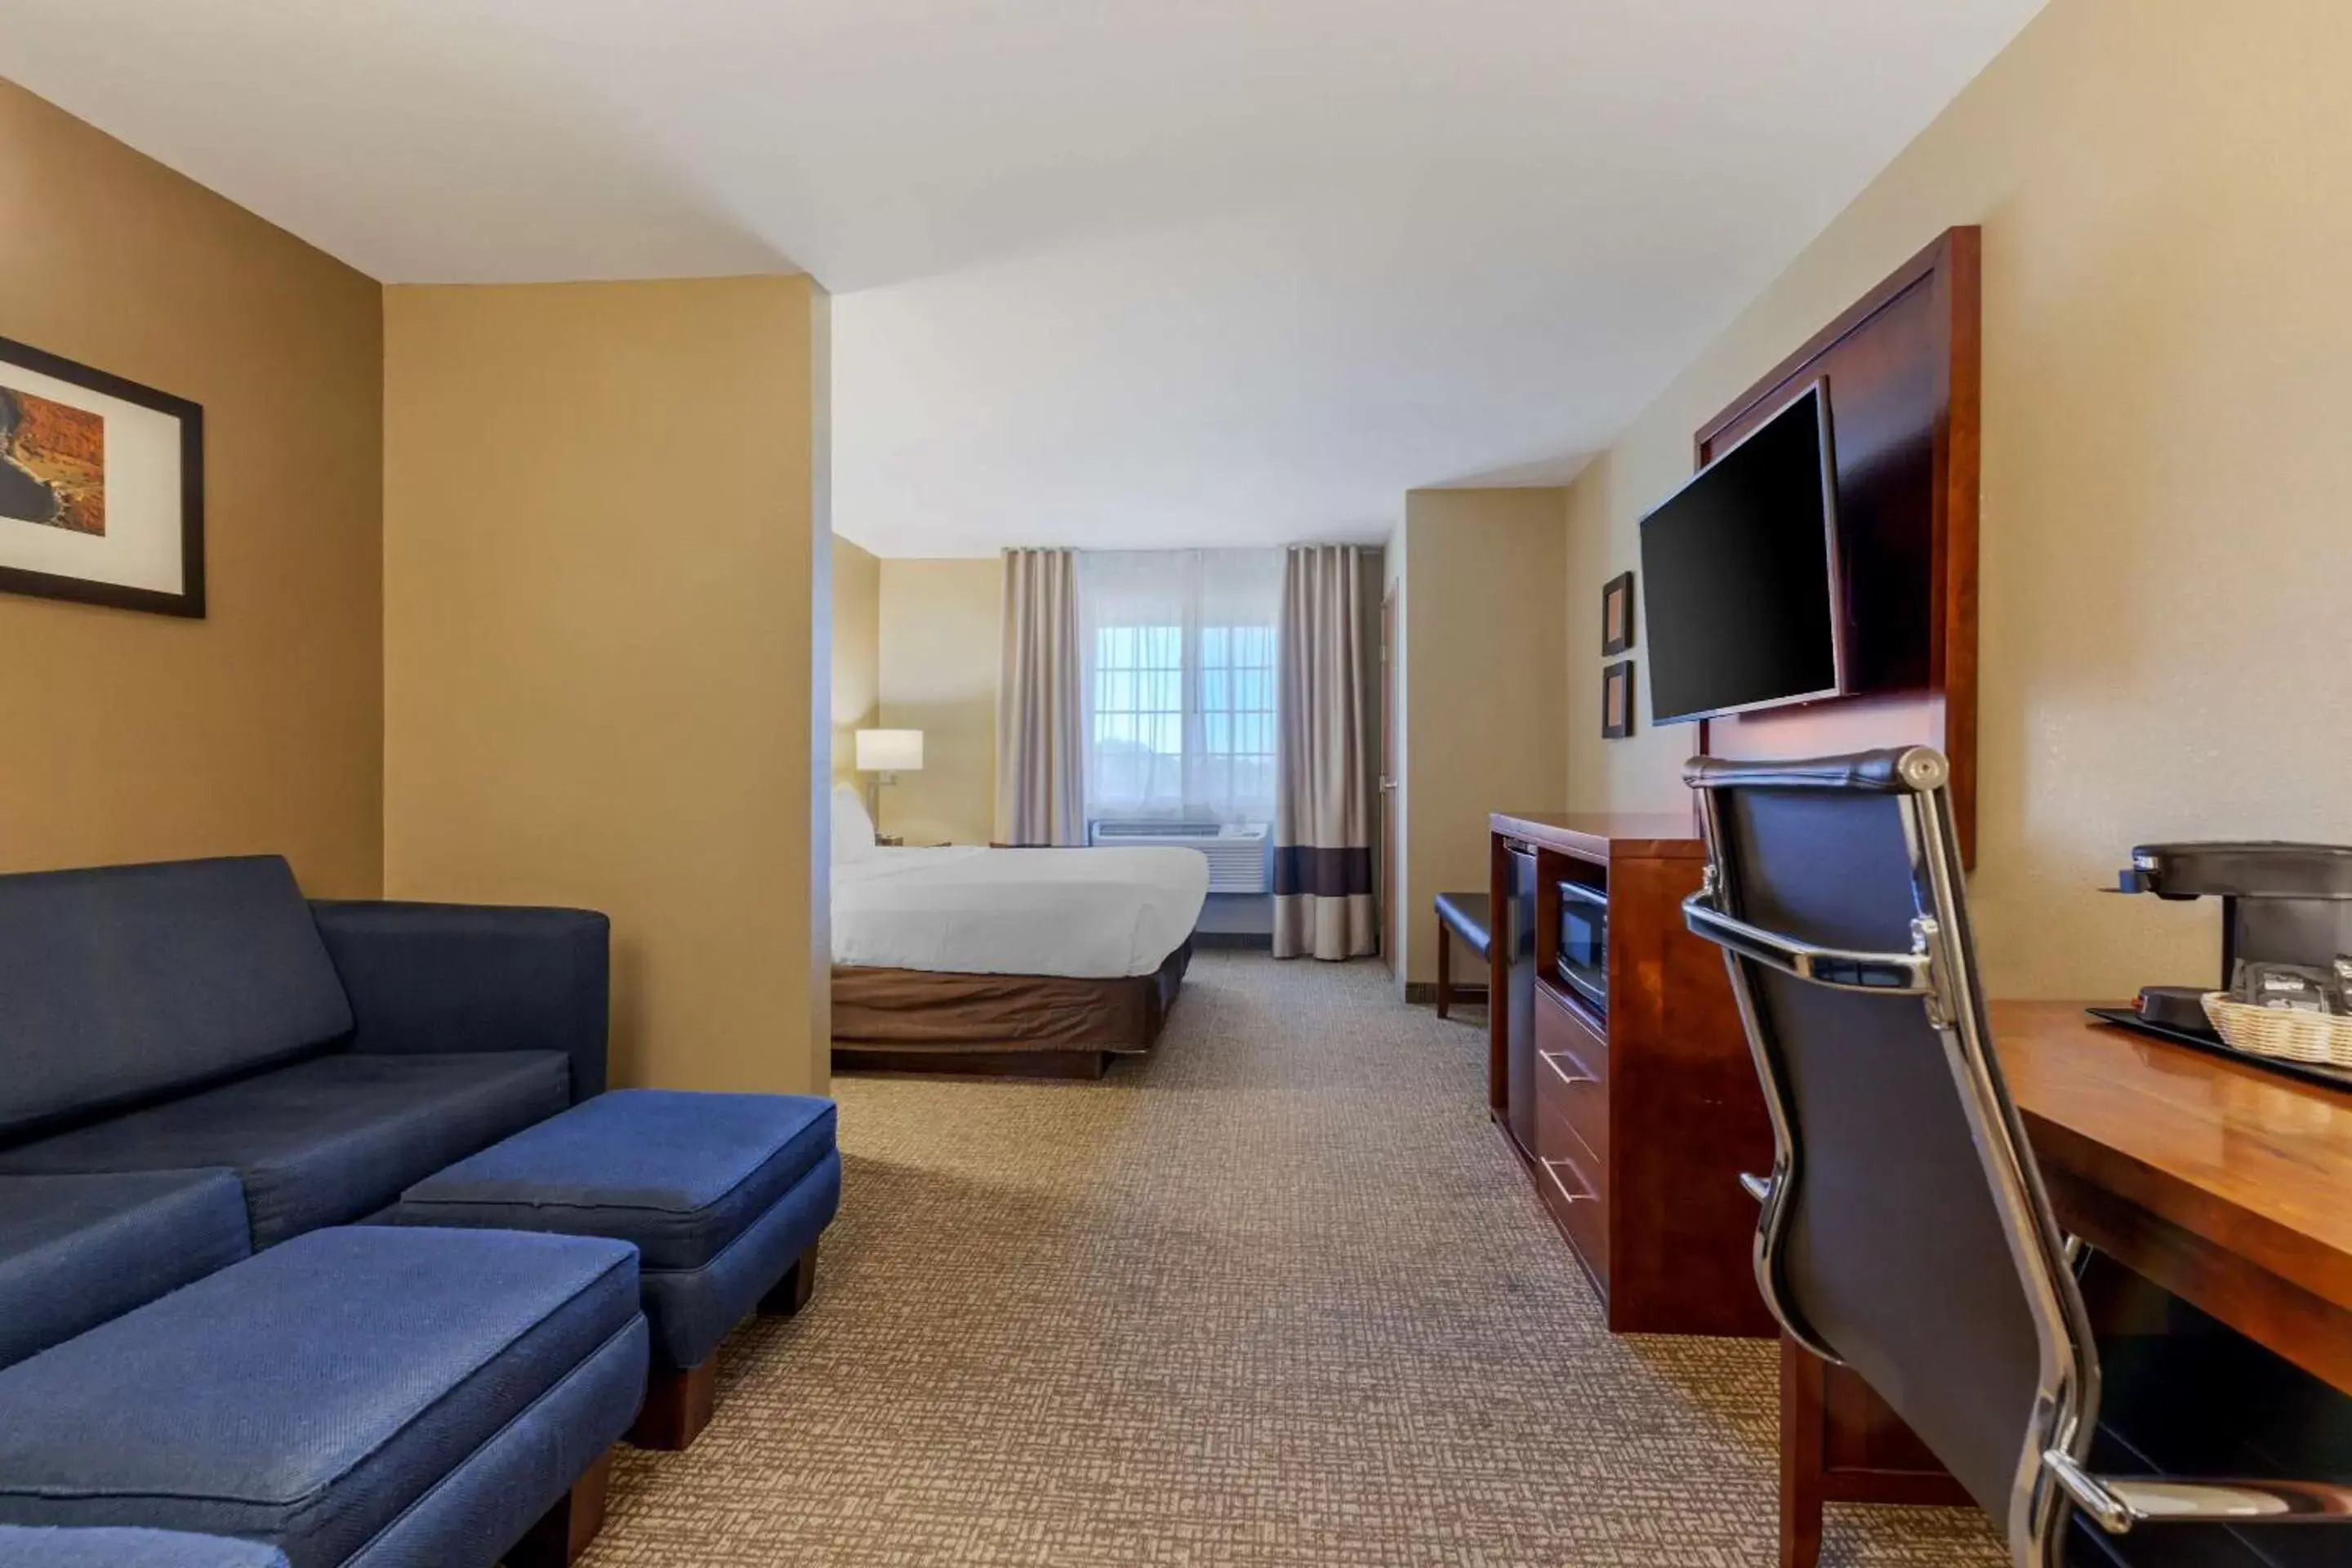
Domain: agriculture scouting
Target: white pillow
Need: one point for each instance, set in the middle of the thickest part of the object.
(852, 830)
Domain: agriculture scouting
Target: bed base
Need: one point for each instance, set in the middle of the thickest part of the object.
(1082, 1065)
(998, 1025)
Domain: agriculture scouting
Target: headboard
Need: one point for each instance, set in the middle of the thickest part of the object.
(1902, 368)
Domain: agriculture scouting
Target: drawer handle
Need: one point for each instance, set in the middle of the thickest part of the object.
(1553, 1168)
(1758, 1188)
(1553, 1059)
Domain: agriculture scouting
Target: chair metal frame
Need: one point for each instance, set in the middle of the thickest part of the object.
(1940, 969)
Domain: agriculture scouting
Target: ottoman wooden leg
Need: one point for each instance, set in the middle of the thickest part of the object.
(677, 1406)
(563, 1531)
(794, 1290)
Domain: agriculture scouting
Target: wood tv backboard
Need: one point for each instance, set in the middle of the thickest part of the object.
(1902, 366)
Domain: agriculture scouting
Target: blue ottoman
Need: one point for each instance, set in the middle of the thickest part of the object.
(364, 1395)
(723, 1194)
(24, 1548)
(77, 1251)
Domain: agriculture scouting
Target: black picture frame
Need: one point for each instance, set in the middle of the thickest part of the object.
(1617, 615)
(189, 602)
(1617, 694)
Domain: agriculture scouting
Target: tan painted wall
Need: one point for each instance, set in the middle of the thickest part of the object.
(1486, 685)
(857, 652)
(260, 727)
(606, 632)
(941, 639)
(815, 475)
(2168, 360)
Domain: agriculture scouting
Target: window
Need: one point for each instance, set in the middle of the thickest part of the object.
(1237, 712)
(1136, 725)
(1180, 682)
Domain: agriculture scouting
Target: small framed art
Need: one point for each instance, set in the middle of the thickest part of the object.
(102, 486)
(1617, 615)
(1617, 700)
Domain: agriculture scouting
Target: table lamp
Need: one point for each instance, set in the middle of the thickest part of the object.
(887, 753)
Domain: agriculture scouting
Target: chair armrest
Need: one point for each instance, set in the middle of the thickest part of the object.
(474, 977)
(2116, 1504)
(1886, 974)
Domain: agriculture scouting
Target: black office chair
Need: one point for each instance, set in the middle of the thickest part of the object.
(1905, 1229)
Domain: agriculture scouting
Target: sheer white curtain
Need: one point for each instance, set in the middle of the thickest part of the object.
(1181, 682)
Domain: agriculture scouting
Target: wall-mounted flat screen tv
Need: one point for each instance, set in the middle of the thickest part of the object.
(1740, 594)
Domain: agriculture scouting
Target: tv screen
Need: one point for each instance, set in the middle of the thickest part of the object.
(1740, 578)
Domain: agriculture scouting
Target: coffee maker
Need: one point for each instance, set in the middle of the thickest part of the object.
(2281, 903)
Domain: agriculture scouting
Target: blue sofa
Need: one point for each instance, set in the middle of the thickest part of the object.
(202, 1014)
(207, 1079)
(77, 1250)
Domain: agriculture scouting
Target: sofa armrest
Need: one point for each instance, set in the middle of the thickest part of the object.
(475, 977)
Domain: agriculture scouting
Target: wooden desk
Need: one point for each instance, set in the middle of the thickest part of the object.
(2229, 1186)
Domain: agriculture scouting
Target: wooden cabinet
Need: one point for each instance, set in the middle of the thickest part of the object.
(1642, 1115)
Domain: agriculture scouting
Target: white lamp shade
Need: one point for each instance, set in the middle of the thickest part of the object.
(890, 751)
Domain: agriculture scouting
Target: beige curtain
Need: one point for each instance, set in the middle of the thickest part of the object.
(1323, 813)
(1040, 743)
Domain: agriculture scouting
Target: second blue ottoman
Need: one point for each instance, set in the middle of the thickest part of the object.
(22, 1546)
(724, 1195)
(354, 1396)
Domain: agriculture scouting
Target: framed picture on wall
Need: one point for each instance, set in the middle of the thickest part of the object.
(1617, 615)
(1617, 700)
(102, 486)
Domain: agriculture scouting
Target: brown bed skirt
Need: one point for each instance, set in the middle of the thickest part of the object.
(916, 1019)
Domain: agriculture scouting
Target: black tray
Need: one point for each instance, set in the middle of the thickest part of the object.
(2124, 1017)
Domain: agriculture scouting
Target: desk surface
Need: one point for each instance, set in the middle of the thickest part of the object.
(1606, 834)
(2229, 1186)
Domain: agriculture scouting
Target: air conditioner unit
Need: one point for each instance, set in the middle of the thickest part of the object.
(1236, 850)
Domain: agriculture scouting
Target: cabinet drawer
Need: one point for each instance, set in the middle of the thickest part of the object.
(1571, 1189)
(1569, 1097)
(1561, 1028)
(1572, 1078)
(1572, 1127)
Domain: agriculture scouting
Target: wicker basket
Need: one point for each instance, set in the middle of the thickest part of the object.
(2316, 1040)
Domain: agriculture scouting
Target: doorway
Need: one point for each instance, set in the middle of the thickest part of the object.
(1389, 881)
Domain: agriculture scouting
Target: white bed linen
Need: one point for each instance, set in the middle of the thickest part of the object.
(964, 910)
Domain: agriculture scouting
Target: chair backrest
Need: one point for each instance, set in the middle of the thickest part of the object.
(1906, 1232)
(127, 982)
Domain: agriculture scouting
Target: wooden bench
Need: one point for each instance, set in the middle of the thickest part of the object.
(1469, 916)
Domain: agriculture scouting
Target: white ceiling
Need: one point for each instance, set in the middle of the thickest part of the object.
(1107, 272)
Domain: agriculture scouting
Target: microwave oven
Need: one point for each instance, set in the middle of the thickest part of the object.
(1583, 961)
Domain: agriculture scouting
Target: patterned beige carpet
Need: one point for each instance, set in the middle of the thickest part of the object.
(1277, 1296)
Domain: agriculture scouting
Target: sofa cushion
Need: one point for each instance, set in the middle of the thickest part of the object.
(308, 1396)
(77, 1251)
(326, 1141)
(24, 1547)
(679, 1173)
(127, 982)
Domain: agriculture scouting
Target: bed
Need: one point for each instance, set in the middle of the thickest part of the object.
(1029, 962)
